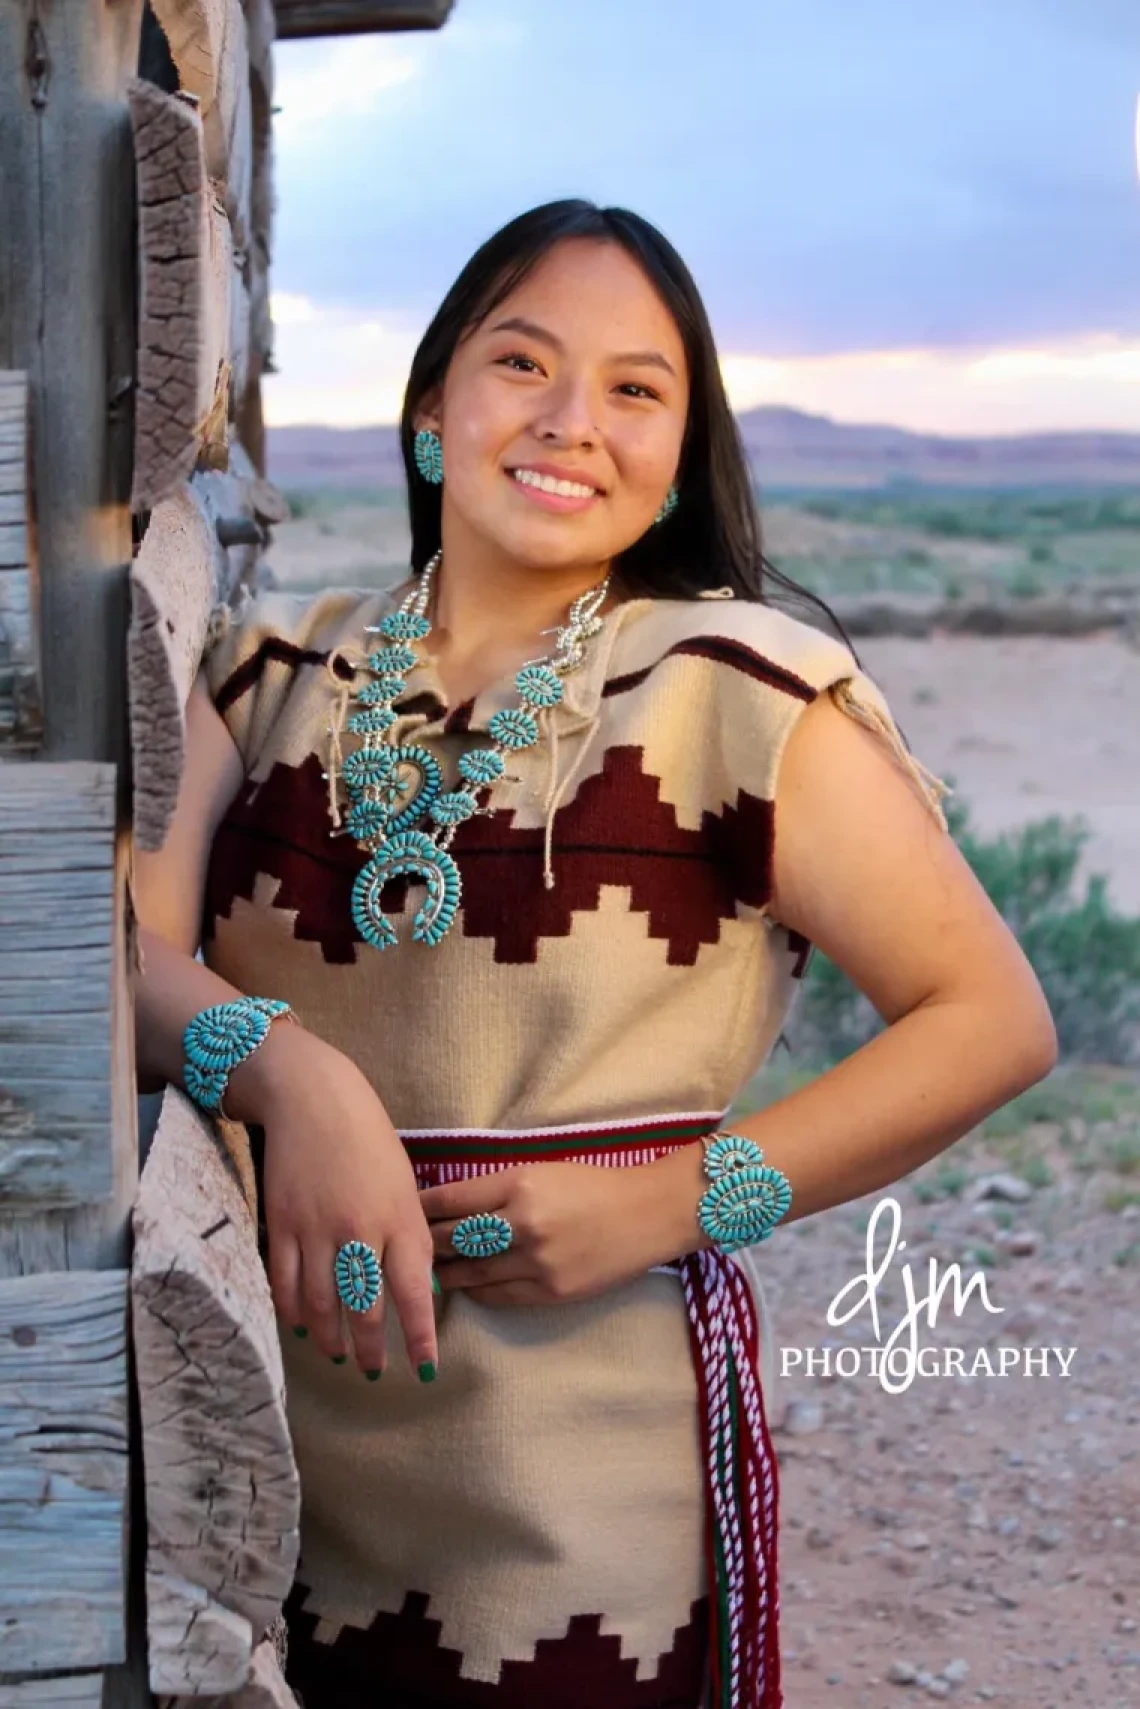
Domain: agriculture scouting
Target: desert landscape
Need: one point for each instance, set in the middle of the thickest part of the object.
(973, 1538)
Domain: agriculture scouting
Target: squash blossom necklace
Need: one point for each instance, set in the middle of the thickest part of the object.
(392, 786)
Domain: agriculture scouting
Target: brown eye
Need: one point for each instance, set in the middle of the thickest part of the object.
(515, 356)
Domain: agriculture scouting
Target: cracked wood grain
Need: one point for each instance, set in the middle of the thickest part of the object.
(21, 691)
(177, 578)
(182, 572)
(222, 1493)
(210, 48)
(186, 273)
(57, 951)
(63, 1473)
(63, 1691)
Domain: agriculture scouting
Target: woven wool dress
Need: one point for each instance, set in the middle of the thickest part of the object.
(581, 1510)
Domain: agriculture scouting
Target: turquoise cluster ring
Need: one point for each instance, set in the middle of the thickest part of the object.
(359, 1280)
(482, 1236)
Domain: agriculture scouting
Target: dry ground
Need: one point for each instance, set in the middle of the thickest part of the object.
(1028, 726)
(986, 1526)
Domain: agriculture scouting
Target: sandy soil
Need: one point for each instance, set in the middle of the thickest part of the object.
(1028, 726)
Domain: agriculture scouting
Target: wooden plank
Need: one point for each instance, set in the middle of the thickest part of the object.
(265, 1688)
(64, 1691)
(63, 1470)
(209, 46)
(238, 339)
(236, 498)
(183, 570)
(185, 262)
(222, 1494)
(261, 28)
(21, 689)
(67, 323)
(358, 17)
(58, 921)
(178, 577)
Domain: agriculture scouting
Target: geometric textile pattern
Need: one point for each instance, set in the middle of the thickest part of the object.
(398, 1663)
(615, 831)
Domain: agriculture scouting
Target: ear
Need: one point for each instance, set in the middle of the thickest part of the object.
(430, 411)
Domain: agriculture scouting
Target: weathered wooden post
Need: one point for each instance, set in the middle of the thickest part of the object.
(148, 1532)
(67, 1098)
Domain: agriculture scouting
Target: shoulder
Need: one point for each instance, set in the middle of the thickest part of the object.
(280, 630)
(737, 640)
(740, 674)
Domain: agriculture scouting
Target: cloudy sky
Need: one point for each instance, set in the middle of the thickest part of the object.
(898, 210)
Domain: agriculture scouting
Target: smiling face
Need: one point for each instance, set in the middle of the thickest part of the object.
(577, 381)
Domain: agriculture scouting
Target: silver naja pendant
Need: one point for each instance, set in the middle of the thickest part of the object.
(415, 855)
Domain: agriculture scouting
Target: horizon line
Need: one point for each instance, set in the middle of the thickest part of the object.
(996, 435)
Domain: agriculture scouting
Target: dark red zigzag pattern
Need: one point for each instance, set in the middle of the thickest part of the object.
(616, 830)
(398, 1662)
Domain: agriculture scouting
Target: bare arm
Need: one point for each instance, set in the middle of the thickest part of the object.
(312, 1101)
(864, 873)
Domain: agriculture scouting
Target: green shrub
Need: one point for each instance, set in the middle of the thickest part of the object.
(1086, 955)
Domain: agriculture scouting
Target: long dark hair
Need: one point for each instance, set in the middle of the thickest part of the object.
(713, 537)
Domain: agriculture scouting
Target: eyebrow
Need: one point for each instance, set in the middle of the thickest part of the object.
(531, 329)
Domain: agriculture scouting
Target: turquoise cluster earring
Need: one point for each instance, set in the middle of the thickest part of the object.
(669, 506)
(427, 449)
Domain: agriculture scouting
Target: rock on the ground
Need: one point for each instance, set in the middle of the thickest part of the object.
(1009, 1187)
(803, 1416)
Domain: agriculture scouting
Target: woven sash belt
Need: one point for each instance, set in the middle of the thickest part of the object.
(741, 1486)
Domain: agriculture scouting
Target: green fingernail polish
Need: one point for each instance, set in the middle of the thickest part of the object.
(300, 1331)
(338, 1358)
(373, 1376)
(435, 1287)
(427, 1372)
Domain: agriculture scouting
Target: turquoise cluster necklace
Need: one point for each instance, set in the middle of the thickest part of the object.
(393, 786)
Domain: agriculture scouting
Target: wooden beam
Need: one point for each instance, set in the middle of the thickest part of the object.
(64, 1691)
(57, 926)
(63, 1471)
(265, 1688)
(21, 692)
(357, 17)
(177, 579)
(222, 1494)
(67, 321)
(209, 47)
(186, 264)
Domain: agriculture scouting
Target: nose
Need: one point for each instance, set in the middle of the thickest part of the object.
(568, 414)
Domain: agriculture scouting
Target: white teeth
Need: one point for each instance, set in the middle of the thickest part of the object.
(548, 484)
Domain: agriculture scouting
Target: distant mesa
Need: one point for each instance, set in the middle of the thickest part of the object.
(787, 448)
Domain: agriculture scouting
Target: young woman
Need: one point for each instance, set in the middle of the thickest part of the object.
(539, 923)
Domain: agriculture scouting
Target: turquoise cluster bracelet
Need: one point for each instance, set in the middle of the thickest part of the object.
(219, 1038)
(745, 1198)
